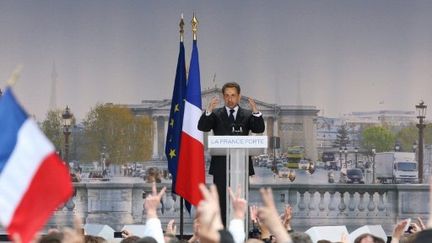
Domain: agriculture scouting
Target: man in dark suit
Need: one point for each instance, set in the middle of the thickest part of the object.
(230, 119)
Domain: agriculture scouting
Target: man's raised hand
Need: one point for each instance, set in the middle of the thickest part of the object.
(213, 103)
(253, 105)
(152, 201)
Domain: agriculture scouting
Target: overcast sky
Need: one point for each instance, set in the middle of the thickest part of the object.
(340, 56)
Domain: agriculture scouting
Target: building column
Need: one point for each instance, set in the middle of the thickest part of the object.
(165, 119)
(155, 138)
(161, 137)
(276, 127)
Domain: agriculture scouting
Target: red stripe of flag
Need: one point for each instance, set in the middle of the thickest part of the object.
(50, 187)
(190, 170)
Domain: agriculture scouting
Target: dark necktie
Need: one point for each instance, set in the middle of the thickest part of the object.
(231, 116)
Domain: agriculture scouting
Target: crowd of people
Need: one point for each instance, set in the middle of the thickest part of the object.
(267, 225)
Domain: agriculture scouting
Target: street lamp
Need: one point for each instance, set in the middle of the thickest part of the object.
(356, 152)
(340, 157)
(67, 121)
(346, 156)
(373, 165)
(421, 114)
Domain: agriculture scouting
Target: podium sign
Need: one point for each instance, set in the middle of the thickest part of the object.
(237, 150)
(237, 142)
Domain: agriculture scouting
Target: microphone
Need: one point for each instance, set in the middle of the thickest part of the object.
(236, 129)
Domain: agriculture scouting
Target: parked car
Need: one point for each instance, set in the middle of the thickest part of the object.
(355, 176)
(303, 164)
(283, 172)
(331, 165)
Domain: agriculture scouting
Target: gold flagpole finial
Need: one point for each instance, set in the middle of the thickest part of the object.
(194, 23)
(181, 24)
(14, 76)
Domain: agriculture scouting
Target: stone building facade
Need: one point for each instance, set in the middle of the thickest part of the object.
(295, 125)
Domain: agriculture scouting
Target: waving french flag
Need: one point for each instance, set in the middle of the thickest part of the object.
(33, 179)
(191, 167)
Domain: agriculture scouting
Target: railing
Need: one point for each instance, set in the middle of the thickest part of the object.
(116, 204)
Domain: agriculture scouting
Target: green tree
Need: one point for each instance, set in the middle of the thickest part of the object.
(342, 137)
(409, 135)
(53, 129)
(378, 137)
(116, 131)
(406, 137)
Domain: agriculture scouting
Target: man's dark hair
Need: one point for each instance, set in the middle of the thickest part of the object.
(300, 237)
(94, 239)
(231, 85)
(375, 238)
(130, 239)
(147, 239)
(423, 236)
(54, 237)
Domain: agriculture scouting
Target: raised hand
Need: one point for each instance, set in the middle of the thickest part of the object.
(196, 232)
(171, 227)
(398, 231)
(253, 105)
(74, 235)
(209, 215)
(269, 216)
(287, 216)
(421, 224)
(213, 103)
(253, 212)
(239, 204)
(152, 201)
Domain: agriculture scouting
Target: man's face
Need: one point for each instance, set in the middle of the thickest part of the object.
(231, 97)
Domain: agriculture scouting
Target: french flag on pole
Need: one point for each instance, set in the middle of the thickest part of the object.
(191, 167)
(33, 179)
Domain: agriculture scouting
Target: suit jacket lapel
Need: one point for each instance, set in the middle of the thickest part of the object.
(240, 115)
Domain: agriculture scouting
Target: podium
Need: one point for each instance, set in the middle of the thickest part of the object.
(237, 150)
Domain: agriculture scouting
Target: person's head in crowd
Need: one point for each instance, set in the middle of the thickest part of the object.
(409, 238)
(130, 239)
(368, 238)
(423, 236)
(324, 241)
(146, 239)
(52, 237)
(254, 233)
(300, 237)
(94, 239)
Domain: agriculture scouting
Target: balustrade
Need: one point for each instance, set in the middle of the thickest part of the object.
(313, 205)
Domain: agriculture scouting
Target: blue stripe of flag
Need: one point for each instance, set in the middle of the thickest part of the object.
(193, 95)
(176, 117)
(12, 116)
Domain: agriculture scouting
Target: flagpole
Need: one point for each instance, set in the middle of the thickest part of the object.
(181, 218)
(181, 25)
(14, 76)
